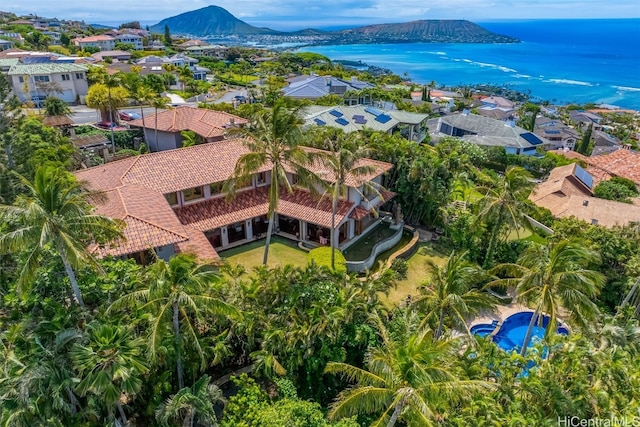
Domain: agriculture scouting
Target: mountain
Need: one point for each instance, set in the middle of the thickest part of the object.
(210, 20)
(435, 31)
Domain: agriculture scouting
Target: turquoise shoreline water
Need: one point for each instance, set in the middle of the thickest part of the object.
(561, 61)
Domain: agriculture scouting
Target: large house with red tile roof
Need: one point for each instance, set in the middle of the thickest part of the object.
(623, 162)
(209, 125)
(172, 201)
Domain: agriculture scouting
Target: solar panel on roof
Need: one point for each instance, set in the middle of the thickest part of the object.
(373, 111)
(383, 118)
(336, 113)
(584, 176)
(360, 120)
(552, 132)
(531, 138)
(342, 121)
(320, 122)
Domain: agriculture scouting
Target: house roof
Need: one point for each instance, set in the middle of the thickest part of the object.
(623, 163)
(318, 86)
(565, 196)
(498, 101)
(88, 141)
(206, 123)
(485, 131)
(94, 39)
(54, 121)
(111, 54)
(45, 68)
(134, 188)
(357, 117)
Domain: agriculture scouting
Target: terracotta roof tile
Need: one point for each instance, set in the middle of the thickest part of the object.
(106, 177)
(623, 163)
(206, 123)
(197, 244)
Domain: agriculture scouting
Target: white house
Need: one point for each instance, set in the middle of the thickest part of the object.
(31, 82)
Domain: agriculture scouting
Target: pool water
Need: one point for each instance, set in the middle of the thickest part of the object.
(510, 335)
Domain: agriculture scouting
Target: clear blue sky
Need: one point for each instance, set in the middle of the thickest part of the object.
(298, 14)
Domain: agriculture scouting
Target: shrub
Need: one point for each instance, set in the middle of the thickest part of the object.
(322, 256)
(400, 267)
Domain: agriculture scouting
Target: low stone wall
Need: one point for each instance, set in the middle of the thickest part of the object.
(378, 248)
(406, 251)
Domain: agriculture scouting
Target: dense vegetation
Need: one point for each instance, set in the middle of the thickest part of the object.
(91, 341)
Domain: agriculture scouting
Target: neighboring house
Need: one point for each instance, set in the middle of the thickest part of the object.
(412, 126)
(556, 132)
(156, 45)
(584, 119)
(314, 87)
(180, 60)
(491, 102)
(604, 143)
(102, 42)
(132, 39)
(119, 55)
(172, 201)
(30, 81)
(486, 131)
(54, 35)
(5, 44)
(210, 125)
(623, 162)
(192, 43)
(569, 193)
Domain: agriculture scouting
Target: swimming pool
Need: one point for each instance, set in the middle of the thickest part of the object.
(511, 333)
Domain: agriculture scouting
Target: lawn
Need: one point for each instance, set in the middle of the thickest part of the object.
(281, 252)
(416, 275)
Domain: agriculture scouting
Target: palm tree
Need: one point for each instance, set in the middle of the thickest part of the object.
(506, 204)
(178, 296)
(273, 141)
(191, 406)
(143, 95)
(449, 292)
(111, 364)
(111, 81)
(54, 213)
(184, 74)
(410, 377)
(548, 278)
(344, 161)
(158, 102)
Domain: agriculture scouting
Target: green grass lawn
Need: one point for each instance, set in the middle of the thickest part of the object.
(416, 275)
(281, 252)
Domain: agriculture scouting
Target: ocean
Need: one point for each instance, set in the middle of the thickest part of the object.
(562, 61)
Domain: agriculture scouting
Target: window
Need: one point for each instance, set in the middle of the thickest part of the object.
(79, 76)
(172, 198)
(294, 179)
(66, 77)
(21, 79)
(193, 194)
(44, 79)
(262, 178)
(215, 188)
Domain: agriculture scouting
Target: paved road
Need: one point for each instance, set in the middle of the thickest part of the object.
(83, 115)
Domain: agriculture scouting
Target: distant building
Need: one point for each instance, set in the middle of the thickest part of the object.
(101, 42)
(30, 81)
(119, 55)
(314, 87)
(556, 132)
(132, 39)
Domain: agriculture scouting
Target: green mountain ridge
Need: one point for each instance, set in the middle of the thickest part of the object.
(216, 21)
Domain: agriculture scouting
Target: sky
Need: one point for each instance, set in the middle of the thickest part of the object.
(299, 14)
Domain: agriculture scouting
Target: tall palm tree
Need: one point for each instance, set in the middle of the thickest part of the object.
(449, 292)
(158, 102)
(191, 406)
(177, 296)
(54, 212)
(550, 278)
(273, 140)
(111, 81)
(111, 364)
(143, 95)
(505, 204)
(410, 377)
(344, 161)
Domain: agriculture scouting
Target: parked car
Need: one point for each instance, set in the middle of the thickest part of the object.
(240, 99)
(106, 125)
(129, 115)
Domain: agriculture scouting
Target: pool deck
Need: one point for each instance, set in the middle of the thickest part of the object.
(501, 313)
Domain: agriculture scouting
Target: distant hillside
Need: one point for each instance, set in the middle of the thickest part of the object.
(209, 20)
(214, 20)
(439, 31)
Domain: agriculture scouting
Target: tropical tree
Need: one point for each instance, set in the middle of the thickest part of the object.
(505, 206)
(550, 278)
(184, 74)
(191, 406)
(273, 140)
(112, 81)
(54, 213)
(450, 292)
(409, 377)
(178, 296)
(158, 102)
(143, 95)
(111, 364)
(344, 162)
(55, 107)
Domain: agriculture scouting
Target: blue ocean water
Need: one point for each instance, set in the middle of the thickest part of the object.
(561, 61)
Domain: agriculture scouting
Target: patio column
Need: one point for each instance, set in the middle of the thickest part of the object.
(224, 236)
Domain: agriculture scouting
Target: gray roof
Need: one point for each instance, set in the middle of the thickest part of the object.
(316, 115)
(318, 86)
(45, 68)
(484, 131)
